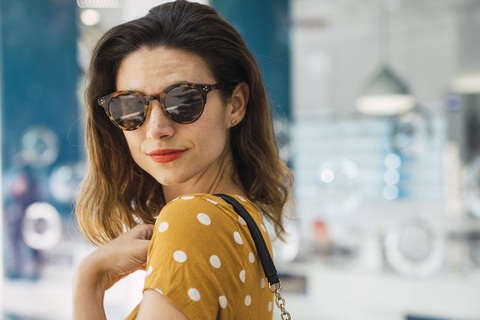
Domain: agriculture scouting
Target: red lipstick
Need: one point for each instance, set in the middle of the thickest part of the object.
(166, 155)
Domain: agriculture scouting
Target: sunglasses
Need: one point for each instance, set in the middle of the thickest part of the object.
(183, 103)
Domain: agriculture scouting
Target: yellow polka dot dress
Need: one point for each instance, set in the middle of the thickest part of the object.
(203, 259)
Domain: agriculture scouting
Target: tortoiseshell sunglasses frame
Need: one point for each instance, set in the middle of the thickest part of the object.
(203, 89)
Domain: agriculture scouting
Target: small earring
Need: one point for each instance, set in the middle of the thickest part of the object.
(234, 122)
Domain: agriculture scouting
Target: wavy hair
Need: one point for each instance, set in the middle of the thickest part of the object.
(116, 192)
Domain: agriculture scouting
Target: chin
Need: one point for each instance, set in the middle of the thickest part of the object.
(170, 180)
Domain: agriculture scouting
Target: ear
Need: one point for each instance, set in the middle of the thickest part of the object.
(238, 103)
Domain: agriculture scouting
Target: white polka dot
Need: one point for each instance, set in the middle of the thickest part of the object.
(223, 301)
(203, 218)
(188, 197)
(251, 257)
(179, 256)
(263, 228)
(215, 261)
(270, 305)
(241, 198)
(150, 269)
(159, 291)
(248, 300)
(175, 199)
(262, 283)
(238, 238)
(194, 294)
(163, 227)
(241, 220)
(209, 200)
(242, 276)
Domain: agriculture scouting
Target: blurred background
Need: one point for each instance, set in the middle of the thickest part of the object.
(376, 108)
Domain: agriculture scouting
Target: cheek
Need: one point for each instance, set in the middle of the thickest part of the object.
(133, 142)
(212, 133)
(213, 142)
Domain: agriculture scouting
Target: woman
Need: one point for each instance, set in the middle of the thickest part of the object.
(177, 112)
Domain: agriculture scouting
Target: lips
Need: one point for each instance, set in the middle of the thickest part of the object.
(166, 155)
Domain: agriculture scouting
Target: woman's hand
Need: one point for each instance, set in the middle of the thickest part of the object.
(108, 264)
(120, 257)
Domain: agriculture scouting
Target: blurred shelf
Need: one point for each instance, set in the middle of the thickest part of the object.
(331, 294)
(359, 295)
(51, 298)
(42, 299)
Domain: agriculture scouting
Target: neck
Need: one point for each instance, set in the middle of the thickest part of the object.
(218, 178)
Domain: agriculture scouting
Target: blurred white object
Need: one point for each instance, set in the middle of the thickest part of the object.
(391, 177)
(90, 17)
(100, 3)
(282, 128)
(453, 185)
(287, 251)
(39, 146)
(370, 253)
(41, 226)
(414, 248)
(392, 161)
(411, 134)
(340, 190)
(466, 83)
(65, 180)
(385, 105)
(390, 192)
(385, 95)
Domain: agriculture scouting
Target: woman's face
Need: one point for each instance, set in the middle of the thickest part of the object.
(173, 153)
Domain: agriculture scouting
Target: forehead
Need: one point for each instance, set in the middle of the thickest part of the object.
(156, 69)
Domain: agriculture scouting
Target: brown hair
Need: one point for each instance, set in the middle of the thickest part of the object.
(116, 191)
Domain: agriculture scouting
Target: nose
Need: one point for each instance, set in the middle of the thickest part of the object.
(159, 126)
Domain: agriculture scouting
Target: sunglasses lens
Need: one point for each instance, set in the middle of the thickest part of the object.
(184, 105)
(127, 111)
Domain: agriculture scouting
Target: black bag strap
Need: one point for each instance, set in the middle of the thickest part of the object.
(262, 250)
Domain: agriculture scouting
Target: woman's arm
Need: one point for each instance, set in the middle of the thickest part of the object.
(108, 264)
(155, 306)
(88, 293)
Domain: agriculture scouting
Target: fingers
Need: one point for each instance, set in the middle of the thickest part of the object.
(142, 247)
(123, 255)
(141, 235)
(142, 231)
(149, 230)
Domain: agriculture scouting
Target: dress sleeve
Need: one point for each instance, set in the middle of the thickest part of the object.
(196, 258)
